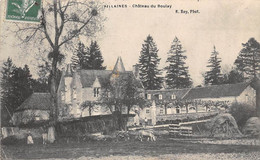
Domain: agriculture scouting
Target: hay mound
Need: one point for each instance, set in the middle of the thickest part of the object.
(252, 127)
(224, 125)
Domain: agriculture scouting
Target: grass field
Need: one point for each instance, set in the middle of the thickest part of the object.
(163, 148)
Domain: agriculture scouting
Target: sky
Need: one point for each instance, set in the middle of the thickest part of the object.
(225, 24)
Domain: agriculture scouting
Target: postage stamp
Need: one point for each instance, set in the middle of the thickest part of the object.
(23, 10)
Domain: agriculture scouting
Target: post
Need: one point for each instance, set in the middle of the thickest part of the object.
(153, 113)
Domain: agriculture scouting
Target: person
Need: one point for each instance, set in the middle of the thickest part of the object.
(44, 138)
(145, 122)
(29, 139)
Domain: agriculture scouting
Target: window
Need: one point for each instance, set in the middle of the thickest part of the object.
(74, 93)
(147, 111)
(173, 96)
(160, 96)
(247, 98)
(161, 111)
(149, 96)
(96, 92)
(62, 96)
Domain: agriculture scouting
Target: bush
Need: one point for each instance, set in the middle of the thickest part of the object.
(242, 112)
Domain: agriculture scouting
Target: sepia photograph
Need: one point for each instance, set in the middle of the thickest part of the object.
(130, 79)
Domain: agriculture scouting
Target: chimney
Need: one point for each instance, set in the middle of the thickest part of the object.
(136, 71)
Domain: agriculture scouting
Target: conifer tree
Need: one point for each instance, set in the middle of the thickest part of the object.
(88, 58)
(148, 65)
(7, 89)
(95, 59)
(80, 57)
(213, 76)
(248, 60)
(177, 75)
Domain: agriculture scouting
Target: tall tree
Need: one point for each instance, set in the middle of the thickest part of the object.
(177, 75)
(16, 84)
(95, 59)
(88, 58)
(248, 60)
(7, 89)
(62, 22)
(213, 76)
(80, 57)
(148, 65)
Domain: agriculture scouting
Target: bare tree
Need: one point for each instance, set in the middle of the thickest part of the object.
(62, 23)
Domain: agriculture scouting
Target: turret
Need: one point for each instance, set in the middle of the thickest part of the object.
(119, 66)
(68, 83)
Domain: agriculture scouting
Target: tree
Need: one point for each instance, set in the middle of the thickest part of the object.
(234, 76)
(248, 60)
(16, 84)
(80, 57)
(6, 91)
(90, 105)
(124, 91)
(95, 59)
(88, 58)
(62, 22)
(177, 75)
(148, 65)
(213, 76)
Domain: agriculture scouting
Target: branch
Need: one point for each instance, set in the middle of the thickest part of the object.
(76, 34)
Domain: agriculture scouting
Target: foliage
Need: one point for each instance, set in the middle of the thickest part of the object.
(90, 105)
(248, 59)
(242, 112)
(122, 92)
(7, 91)
(213, 76)
(177, 73)
(234, 76)
(17, 85)
(62, 22)
(88, 58)
(148, 65)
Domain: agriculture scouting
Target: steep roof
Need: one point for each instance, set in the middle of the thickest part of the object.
(37, 101)
(167, 93)
(89, 76)
(119, 66)
(217, 91)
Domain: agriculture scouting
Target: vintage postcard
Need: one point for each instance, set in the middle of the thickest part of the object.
(130, 79)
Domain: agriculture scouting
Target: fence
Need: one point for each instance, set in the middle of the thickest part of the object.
(176, 130)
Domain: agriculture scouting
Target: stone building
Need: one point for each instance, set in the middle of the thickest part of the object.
(78, 86)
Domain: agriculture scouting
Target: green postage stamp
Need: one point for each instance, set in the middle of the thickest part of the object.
(23, 10)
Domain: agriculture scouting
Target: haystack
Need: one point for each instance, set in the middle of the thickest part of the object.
(252, 127)
(224, 125)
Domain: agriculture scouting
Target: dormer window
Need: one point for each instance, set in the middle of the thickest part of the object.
(160, 96)
(173, 96)
(96, 92)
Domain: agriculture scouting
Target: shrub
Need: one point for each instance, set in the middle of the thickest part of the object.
(242, 112)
